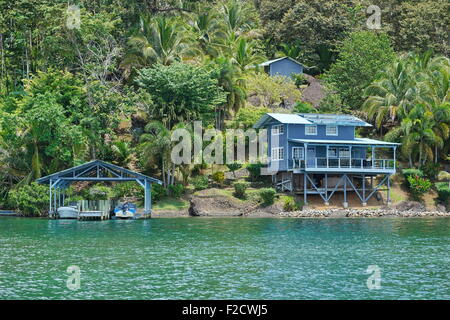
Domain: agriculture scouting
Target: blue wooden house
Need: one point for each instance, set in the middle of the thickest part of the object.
(320, 154)
(285, 66)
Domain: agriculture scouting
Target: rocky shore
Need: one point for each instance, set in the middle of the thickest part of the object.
(363, 213)
(221, 206)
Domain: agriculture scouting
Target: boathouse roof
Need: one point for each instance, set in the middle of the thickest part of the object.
(97, 170)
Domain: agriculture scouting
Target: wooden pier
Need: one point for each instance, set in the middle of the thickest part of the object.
(93, 215)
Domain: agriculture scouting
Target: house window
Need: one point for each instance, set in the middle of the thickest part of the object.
(311, 130)
(344, 152)
(298, 153)
(332, 130)
(332, 152)
(277, 129)
(277, 153)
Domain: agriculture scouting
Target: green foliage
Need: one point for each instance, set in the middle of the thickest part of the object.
(412, 172)
(200, 182)
(443, 191)
(247, 116)
(272, 91)
(254, 170)
(267, 196)
(158, 192)
(418, 186)
(176, 190)
(299, 79)
(192, 98)
(127, 189)
(218, 176)
(240, 188)
(361, 58)
(303, 107)
(290, 204)
(430, 169)
(234, 166)
(98, 192)
(30, 200)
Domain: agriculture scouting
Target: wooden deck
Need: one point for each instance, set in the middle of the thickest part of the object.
(93, 215)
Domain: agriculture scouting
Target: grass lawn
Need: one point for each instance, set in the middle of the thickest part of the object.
(171, 204)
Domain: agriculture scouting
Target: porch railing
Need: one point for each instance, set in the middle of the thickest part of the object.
(345, 163)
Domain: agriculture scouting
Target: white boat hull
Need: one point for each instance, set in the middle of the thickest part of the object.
(68, 213)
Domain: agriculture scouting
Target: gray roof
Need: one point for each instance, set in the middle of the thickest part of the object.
(269, 62)
(312, 118)
(356, 141)
(89, 167)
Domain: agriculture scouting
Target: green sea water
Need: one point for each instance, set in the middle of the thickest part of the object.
(225, 258)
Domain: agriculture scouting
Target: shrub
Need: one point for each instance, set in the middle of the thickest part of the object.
(200, 182)
(412, 172)
(30, 200)
(99, 192)
(443, 191)
(239, 189)
(218, 177)
(127, 189)
(430, 170)
(418, 186)
(158, 192)
(267, 196)
(234, 167)
(299, 79)
(176, 190)
(254, 170)
(290, 204)
(303, 107)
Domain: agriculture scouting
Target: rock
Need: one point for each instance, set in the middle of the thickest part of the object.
(409, 206)
(441, 208)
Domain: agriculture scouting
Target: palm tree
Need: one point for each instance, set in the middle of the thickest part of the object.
(122, 153)
(208, 32)
(159, 40)
(391, 97)
(418, 135)
(156, 145)
(244, 55)
(444, 175)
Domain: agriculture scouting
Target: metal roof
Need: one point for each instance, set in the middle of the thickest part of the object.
(335, 119)
(356, 141)
(313, 118)
(269, 62)
(282, 118)
(90, 171)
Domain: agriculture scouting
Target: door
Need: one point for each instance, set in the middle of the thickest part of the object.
(311, 157)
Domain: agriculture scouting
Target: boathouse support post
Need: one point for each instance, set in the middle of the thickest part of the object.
(327, 203)
(50, 197)
(148, 197)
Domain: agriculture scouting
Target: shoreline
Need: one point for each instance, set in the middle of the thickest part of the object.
(310, 213)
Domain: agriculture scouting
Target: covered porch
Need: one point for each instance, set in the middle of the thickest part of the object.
(345, 156)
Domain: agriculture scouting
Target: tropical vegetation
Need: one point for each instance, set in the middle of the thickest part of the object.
(115, 79)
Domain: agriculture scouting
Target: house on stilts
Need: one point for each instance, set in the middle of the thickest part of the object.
(320, 154)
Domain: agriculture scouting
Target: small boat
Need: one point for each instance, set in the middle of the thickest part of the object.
(68, 212)
(126, 210)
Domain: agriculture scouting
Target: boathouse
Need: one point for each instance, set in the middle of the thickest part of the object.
(98, 171)
(320, 154)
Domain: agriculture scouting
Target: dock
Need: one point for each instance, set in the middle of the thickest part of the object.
(93, 215)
